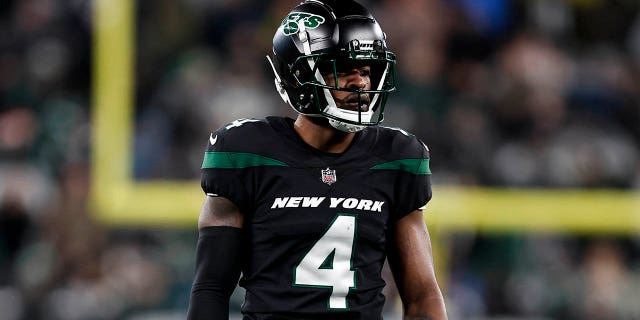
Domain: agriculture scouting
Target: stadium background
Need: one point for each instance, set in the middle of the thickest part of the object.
(530, 109)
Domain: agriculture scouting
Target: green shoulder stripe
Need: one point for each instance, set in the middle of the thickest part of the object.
(415, 166)
(237, 160)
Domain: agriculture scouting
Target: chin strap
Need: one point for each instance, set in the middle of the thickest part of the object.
(345, 127)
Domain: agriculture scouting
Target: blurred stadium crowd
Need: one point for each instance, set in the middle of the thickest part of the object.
(539, 93)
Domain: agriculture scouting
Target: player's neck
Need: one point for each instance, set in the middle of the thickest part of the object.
(322, 136)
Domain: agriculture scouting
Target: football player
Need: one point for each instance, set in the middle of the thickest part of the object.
(308, 209)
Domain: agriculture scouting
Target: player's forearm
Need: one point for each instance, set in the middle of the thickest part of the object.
(431, 308)
(217, 271)
(205, 305)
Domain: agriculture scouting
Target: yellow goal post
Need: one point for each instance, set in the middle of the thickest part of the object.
(118, 199)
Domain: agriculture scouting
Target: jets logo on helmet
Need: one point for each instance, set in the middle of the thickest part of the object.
(292, 21)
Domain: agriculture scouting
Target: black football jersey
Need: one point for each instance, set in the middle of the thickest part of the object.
(316, 224)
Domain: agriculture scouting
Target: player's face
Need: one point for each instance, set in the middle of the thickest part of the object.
(352, 77)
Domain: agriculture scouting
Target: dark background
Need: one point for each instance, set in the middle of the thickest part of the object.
(513, 94)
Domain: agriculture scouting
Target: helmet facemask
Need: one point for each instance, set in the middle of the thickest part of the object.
(366, 106)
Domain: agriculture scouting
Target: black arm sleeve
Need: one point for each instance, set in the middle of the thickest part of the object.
(218, 264)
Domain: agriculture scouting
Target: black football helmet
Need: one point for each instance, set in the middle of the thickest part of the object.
(319, 39)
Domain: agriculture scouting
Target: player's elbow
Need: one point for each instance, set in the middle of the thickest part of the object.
(426, 305)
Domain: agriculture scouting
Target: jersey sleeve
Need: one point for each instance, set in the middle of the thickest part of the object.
(413, 181)
(220, 177)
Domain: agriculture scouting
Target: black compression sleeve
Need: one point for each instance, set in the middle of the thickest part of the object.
(218, 265)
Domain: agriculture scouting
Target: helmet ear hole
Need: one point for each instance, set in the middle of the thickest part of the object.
(305, 100)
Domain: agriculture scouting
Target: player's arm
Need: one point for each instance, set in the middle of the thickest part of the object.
(411, 262)
(218, 260)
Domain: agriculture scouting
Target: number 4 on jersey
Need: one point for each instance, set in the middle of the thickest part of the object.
(328, 264)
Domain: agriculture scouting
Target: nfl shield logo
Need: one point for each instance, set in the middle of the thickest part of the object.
(329, 176)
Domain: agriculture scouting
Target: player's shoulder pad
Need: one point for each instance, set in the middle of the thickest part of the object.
(238, 135)
(402, 143)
